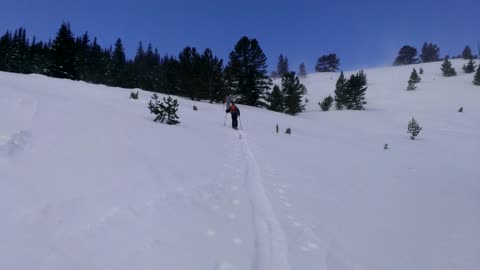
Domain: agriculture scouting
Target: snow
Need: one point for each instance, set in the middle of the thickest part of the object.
(89, 181)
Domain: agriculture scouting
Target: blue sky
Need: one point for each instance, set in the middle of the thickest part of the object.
(362, 33)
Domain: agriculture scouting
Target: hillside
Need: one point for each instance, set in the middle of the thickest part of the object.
(89, 181)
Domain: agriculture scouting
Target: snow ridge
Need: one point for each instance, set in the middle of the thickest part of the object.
(271, 251)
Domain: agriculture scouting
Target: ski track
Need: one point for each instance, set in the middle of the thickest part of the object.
(271, 251)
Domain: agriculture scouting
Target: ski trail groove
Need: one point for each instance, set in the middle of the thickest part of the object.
(271, 251)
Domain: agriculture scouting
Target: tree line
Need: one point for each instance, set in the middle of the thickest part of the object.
(430, 52)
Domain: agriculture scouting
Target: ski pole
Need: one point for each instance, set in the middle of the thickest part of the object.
(240, 120)
(225, 120)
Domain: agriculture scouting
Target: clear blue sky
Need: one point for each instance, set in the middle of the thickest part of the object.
(362, 33)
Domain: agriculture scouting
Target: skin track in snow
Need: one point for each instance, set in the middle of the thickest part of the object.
(271, 251)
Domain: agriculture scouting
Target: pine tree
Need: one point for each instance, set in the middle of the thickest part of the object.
(166, 111)
(327, 63)
(118, 63)
(467, 53)
(447, 69)
(302, 71)
(64, 59)
(430, 53)
(414, 77)
(356, 88)
(470, 67)
(406, 56)
(188, 73)
(476, 78)
(293, 91)
(413, 128)
(211, 77)
(282, 66)
(247, 72)
(276, 100)
(326, 103)
(340, 92)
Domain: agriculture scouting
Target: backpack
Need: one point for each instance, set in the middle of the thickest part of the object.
(233, 109)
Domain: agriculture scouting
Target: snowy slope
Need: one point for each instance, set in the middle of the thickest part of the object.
(89, 181)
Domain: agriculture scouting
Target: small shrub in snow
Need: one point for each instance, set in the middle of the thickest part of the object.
(413, 128)
(411, 86)
(420, 71)
(326, 103)
(470, 67)
(165, 111)
(447, 69)
(386, 146)
(288, 131)
(276, 127)
(134, 95)
(195, 108)
(460, 110)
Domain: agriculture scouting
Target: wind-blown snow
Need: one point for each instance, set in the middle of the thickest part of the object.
(89, 181)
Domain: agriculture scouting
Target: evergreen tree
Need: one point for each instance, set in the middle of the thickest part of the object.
(467, 53)
(166, 111)
(82, 51)
(470, 67)
(302, 71)
(420, 71)
(282, 66)
(64, 58)
(414, 77)
(430, 53)
(17, 55)
(447, 69)
(340, 92)
(406, 56)
(413, 128)
(276, 100)
(476, 78)
(211, 77)
(293, 91)
(189, 73)
(247, 72)
(356, 88)
(327, 63)
(326, 103)
(118, 64)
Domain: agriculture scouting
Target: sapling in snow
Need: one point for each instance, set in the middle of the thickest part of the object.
(413, 128)
(165, 111)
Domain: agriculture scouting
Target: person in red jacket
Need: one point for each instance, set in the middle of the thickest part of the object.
(235, 112)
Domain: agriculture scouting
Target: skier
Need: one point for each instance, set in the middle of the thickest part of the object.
(235, 112)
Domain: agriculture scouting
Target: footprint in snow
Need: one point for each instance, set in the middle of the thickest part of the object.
(236, 202)
(234, 188)
(287, 204)
(232, 216)
(281, 191)
(215, 207)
